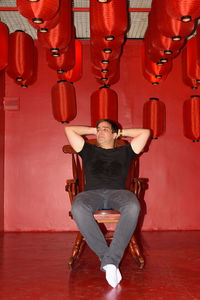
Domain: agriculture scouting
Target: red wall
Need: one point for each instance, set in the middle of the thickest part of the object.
(2, 136)
(36, 168)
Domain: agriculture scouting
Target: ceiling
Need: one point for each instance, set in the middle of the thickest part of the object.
(138, 18)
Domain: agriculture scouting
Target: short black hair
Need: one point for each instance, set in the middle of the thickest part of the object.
(114, 126)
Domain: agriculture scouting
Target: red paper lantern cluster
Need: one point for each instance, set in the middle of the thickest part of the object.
(154, 117)
(57, 39)
(166, 33)
(191, 118)
(108, 23)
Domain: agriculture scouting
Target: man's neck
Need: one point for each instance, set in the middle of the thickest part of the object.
(107, 146)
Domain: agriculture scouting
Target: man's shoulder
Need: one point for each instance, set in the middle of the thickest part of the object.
(87, 147)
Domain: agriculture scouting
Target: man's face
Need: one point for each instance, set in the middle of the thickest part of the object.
(105, 137)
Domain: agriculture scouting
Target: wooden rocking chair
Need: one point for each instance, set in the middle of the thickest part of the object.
(76, 185)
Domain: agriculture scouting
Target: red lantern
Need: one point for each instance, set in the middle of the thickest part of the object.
(183, 10)
(4, 46)
(65, 61)
(155, 54)
(76, 72)
(101, 41)
(175, 29)
(190, 67)
(33, 76)
(152, 78)
(105, 53)
(198, 44)
(108, 80)
(104, 105)
(63, 101)
(20, 56)
(154, 117)
(38, 11)
(160, 41)
(191, 118)
(59, 37)
(106, 69)
(156, 69)
(108, 20)
(46, 25)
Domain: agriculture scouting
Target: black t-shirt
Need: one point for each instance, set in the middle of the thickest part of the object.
(106, 168)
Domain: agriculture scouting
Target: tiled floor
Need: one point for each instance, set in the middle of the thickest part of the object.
(34, 266)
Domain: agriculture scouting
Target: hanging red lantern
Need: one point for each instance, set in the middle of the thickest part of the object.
(46, 25)
(106, 69)
(198, 44)
(175, 29)
(75, 73)
(155, 54)
(156, 69)
(190, 67)
(154, 117)
(63, 101)
(20, 55)
(160, 41)
(25, 83)
(104, 105)
(65, 61)
(38, 11)
(100, 63)
(101, 41)
(108, 20)
(59, 37)
(152, 78)
(105, 53)
(183, 10)
(191, 118)
(4, 46)
(108, 80)
(191, 82)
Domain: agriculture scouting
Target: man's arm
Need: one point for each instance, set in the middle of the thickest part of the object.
(74, 135)
(139, 135)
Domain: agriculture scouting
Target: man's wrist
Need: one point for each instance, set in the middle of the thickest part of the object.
(120, 133)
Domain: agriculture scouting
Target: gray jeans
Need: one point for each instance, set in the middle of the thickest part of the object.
(86, 203)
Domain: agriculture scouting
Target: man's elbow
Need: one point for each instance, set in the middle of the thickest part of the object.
(147, 133)
(67, 130)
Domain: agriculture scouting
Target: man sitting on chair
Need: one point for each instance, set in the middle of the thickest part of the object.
(106, 169)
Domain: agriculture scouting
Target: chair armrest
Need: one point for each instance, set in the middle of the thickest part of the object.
(137, 184)
(72, 188)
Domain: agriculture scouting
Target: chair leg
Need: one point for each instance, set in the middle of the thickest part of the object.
(77, 250)
(135, 252)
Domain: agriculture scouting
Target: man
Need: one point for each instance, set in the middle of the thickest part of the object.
(106, 169)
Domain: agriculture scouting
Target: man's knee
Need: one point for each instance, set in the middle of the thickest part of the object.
(77, 207)
(133, 206)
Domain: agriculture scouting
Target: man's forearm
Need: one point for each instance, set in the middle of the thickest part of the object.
(81, 130)
(133, 132)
